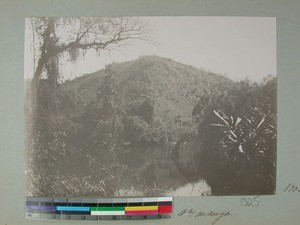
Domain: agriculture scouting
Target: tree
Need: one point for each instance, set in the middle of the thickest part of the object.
(54, 41)
(56, 37)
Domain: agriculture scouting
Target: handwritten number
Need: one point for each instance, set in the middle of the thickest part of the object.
(256, 202)
(247, 202)
(291, 188)
(244, 202)
(287, 187)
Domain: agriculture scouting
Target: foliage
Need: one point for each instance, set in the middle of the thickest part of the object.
(247, 150)
(52, 112)
(157, 123)
(238, 134)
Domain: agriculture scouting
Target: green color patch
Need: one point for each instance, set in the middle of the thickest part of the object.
(108, 208)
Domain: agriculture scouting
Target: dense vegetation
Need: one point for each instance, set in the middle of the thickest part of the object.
(147, 126)
(235, 143)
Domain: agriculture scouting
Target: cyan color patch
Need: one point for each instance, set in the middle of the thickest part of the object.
(72, 208)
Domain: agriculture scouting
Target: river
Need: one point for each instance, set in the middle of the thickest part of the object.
(201, 188)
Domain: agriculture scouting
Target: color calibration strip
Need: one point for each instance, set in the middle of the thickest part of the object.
(92, 209)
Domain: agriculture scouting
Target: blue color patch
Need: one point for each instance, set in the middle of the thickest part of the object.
(73, 208)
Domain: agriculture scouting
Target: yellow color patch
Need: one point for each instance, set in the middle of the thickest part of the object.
(137, 208)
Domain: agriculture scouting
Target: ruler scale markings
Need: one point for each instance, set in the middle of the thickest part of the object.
(76, 208)
(37, 207)
(40, 211)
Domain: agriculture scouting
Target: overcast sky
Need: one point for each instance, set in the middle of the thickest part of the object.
(237, 46)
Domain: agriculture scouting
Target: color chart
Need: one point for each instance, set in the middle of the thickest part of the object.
(97, 209)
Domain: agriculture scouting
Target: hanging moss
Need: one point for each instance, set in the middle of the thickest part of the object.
(74, 54)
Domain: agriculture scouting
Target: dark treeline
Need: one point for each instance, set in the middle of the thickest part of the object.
(148, 126)
(234, 146)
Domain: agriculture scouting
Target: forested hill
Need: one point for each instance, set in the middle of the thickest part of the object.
(152, 88)
(151, 76)
(150, 72)
(149, 126)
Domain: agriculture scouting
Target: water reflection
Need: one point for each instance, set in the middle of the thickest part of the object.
(201, 188)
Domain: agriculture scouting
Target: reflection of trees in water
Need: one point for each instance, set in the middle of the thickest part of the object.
(139, 128)
(234, 149)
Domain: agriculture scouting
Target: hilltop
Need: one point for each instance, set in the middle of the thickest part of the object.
(172, 89)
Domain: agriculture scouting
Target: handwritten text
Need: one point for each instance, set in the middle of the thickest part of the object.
(192, 213)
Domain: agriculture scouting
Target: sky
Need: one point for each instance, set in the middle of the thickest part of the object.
(240, 47)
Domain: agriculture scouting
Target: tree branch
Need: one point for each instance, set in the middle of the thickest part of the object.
(118, 33)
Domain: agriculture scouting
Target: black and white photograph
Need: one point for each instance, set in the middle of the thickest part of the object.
(150, 106)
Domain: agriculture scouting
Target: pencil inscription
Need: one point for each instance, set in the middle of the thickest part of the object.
(250, 201)
(194, 213)
(291, 188)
